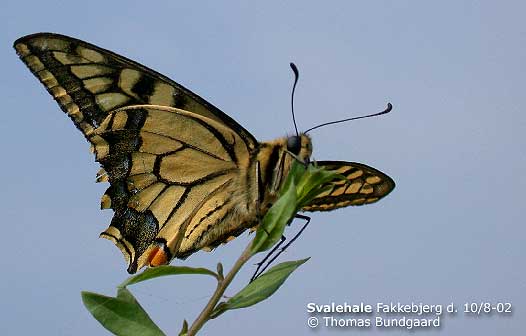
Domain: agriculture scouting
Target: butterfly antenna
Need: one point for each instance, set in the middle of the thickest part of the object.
(296, 76)
(387, 110)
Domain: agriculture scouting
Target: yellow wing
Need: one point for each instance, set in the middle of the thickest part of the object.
(174, 180)
(364, 185)
(88, 82)
(173, 161)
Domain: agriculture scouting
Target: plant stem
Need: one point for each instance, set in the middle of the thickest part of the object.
(222, 285)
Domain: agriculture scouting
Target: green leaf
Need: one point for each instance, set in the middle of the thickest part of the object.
(259, 289)
(122, 315)
(295, 173)
(164, 270)
(301, 186)
(184, 329)
(219, 309)
(125, 295)
(314, 182)
(274, 222)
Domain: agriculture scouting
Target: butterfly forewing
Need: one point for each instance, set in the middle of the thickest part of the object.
(363, 185)
(88, 81)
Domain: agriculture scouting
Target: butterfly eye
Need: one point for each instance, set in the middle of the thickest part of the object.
(294, 144)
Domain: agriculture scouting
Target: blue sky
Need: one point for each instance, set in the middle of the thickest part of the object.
(452, 230)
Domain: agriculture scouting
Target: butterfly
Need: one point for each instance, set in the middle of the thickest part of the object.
(183, 175)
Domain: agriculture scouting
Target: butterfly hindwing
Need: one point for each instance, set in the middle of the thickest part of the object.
(363, 185)
(172, 174)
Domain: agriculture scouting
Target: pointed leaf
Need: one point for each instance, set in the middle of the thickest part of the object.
(184, 329)
(261, 288)
(301, 186)
(274, 222)
(295, 173)
(313, 183)
(122, 315)
(125, 295)
(219, 309)
(164, 270)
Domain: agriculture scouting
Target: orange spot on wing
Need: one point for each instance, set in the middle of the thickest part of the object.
(157, 257)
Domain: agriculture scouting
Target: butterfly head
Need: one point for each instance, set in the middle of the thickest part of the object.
(301, 146)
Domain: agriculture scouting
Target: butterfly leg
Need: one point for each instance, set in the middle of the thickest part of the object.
(258, 272)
